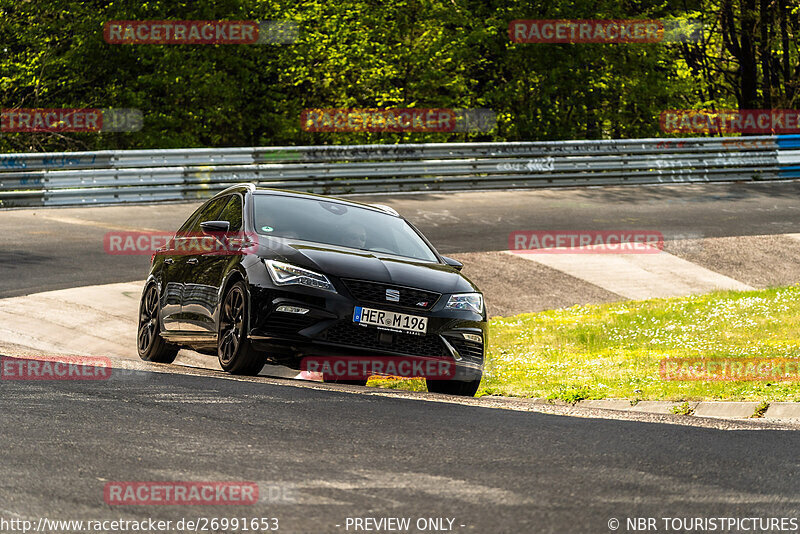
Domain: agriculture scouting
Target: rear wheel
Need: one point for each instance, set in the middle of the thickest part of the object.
(235, 352)
(149, 343)
(454, 387)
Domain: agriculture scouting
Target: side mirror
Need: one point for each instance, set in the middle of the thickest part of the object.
(457, 265)
(215, 227)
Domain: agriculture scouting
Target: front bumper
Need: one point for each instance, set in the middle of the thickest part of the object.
(327, 329)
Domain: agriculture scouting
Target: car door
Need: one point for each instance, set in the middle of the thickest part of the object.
(173, 273)
(201, 293)
(186, 255)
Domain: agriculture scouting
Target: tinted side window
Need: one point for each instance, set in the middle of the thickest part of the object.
(184, 229)
(209, 213)
(232, 212)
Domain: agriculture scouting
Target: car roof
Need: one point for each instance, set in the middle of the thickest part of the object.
(299, 194)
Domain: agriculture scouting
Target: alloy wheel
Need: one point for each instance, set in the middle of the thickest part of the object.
(231, 324)
(148, 320)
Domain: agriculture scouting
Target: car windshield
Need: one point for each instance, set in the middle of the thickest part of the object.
(333, 223)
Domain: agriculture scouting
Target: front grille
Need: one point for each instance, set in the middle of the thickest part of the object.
(287, 324)
(376, 292)
(469, 350)
(368, 338)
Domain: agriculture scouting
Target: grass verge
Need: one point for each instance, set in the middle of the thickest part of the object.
(614, 350)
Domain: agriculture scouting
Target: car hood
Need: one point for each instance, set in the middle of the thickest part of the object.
(363, 265)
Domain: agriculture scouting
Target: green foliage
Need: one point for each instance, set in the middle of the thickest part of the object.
(362, 54)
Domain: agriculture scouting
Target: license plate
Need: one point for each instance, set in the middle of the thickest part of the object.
(386, 320)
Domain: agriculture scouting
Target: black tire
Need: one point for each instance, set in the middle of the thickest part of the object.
(235, 352)
(454, 387)
(331, 380)
(149, 343)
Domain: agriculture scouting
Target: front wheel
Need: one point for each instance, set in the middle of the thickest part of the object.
(235, 352)
(149, 343)
(454, 387)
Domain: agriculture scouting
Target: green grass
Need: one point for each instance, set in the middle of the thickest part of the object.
(683, 409)
(396, 382)
(761, 409)
(613, 350)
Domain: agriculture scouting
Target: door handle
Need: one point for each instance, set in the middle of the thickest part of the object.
(169, 261)
(192, 261)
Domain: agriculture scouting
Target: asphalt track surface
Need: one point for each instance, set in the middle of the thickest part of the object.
(328, 455)
(338, 452)
(46, 249)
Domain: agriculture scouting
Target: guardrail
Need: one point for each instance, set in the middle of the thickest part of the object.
(79, 178)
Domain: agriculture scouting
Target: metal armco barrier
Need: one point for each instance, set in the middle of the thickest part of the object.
(81, 178)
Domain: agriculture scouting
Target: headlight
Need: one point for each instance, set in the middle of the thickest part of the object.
(466, 301)
(284, 274)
